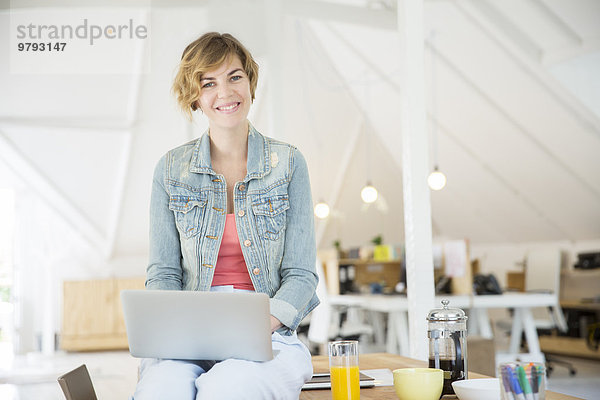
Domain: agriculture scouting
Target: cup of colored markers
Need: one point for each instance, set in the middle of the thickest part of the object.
(522, 381)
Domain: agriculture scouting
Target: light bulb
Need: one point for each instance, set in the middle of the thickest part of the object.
(321, 210)
(368, 193)
(436, 180)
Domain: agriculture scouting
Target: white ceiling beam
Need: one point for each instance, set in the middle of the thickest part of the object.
(588, 120)
(133, 113)
(137, 73)
(415, 168)
(57, 200)
(370, 64)
(275, 31)
(589, 45)
(503, 23)
(350, 147)
(5, 4)
(519, 128)
(381, 75)
(114, 215)
(500, 180)
(323, 10)
(464, 77)
(560, 24)
(336, 186)
(101, 124)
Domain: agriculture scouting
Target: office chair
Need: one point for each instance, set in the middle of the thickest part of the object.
(77, 384)
(542, 274)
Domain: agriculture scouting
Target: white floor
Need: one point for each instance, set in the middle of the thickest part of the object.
(585, 383)
(33, 377)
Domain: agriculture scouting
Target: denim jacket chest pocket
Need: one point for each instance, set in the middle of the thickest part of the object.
(189, 208)
(270, 213)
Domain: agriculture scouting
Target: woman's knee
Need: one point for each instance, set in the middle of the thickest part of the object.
(164, 379)
(279, 379)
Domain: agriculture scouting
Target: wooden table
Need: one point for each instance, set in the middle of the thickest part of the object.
(391, 361)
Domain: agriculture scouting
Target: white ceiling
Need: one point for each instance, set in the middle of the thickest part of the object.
(514, 105)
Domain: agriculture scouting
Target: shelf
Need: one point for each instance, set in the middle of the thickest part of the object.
(568, 346)
(581, 272)
(579, 305)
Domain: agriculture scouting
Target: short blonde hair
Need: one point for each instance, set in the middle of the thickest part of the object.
(204, 54)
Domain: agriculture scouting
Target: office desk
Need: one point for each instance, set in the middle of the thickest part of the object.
(391, 361)
(580, 305)
(396, 308)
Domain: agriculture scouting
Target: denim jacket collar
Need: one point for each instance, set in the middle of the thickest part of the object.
(259, 156)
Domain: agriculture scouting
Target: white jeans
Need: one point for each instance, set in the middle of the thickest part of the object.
(279, 379)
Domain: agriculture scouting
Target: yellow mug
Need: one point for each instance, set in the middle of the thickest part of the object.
(418, 383)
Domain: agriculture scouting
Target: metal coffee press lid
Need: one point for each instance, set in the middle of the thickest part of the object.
(446, 314)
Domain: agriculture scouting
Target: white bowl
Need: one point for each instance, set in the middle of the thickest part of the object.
(477, 389)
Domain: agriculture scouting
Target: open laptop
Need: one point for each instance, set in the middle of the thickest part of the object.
(191, 325)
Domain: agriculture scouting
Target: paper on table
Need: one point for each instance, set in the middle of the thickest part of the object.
(383, 377)
(323, 381)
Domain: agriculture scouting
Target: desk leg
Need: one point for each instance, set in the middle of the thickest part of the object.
(392, 337)
(472, 322)
(559, 317)
(377, 320)
(402, 331)
(397, 338)
(485, 328)
(517, 329)
(531, 335)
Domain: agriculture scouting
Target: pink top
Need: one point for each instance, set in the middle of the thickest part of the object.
(231, 268)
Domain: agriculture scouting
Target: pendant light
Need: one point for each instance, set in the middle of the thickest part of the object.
(437, 179)
(321, 210)
(368, 193)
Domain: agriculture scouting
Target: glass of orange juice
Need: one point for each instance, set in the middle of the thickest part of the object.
(343, 367)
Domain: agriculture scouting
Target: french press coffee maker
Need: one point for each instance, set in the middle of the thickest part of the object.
(447, 333)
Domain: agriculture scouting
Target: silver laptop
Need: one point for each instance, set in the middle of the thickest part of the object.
(191, 325)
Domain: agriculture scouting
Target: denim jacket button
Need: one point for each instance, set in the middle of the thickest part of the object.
(247, 242)
(241, 213)
(256, 271)
(242, 187)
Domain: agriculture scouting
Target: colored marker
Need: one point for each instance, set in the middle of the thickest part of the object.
(514, 384)
(508, 395)
(534, 382)
(524, 383)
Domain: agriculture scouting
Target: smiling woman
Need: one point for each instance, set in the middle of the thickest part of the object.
(217, 50)
(231, 211)
(225, 95)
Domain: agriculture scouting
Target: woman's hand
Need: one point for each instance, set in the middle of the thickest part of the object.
(275, 324)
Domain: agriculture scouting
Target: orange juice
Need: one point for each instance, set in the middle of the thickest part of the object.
(345, 383)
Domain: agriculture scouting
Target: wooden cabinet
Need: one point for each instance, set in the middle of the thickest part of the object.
(388, 273)
(92, 314)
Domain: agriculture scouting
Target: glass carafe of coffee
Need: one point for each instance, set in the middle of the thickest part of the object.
(447, 333)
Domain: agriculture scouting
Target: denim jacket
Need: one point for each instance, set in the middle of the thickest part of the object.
(273, 216)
